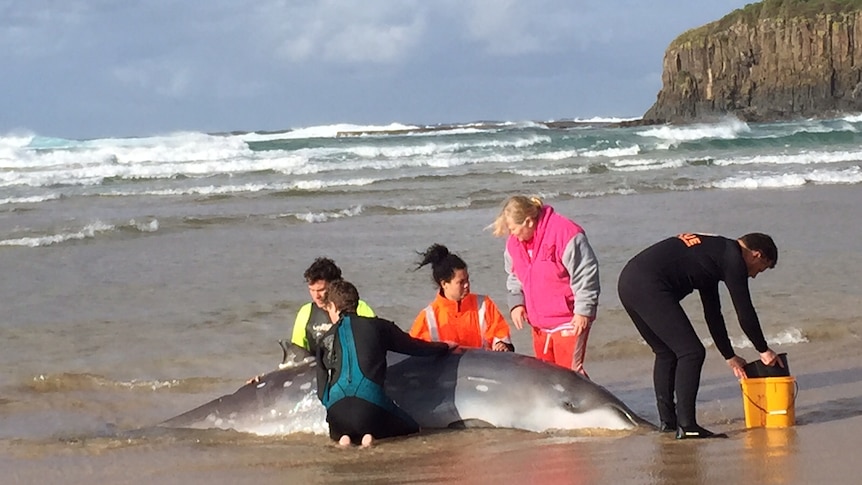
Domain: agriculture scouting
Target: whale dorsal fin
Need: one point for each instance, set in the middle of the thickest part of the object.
(293, 355)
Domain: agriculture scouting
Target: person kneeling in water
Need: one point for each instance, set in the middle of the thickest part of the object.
(351, 370)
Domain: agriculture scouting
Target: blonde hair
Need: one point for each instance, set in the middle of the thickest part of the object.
(517, 209)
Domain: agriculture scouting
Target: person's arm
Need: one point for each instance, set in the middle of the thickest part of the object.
(745, 313)
(363, 310)
(583, 267)
(515, 293)
(403, 343)
(497, 330)
(298, 336)
(715, 321)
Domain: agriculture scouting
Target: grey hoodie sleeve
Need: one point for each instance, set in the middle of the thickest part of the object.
(515, 292)
(583, 266)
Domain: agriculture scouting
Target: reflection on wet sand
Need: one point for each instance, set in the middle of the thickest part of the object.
(508, 456)
(771, 455)
(676, 462)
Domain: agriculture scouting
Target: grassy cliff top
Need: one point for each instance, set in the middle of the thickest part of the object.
(770, 9)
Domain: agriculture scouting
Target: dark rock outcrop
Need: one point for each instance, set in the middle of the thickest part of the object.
(772, 60)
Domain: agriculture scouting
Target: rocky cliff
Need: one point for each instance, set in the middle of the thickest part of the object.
(773, 60)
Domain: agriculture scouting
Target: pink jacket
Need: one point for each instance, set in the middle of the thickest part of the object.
(560, 279)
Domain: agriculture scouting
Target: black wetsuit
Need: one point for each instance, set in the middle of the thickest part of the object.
(650, 288)
(318, 324)
(351, 372)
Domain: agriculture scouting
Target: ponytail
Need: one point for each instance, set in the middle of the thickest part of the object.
(443, 263)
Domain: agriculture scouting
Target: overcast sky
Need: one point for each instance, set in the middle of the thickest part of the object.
(95, 68)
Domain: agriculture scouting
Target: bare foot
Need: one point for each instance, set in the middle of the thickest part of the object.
(367, 441)
(344, 442)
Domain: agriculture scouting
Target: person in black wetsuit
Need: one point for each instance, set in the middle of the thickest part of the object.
(651, 286)
(351, 370)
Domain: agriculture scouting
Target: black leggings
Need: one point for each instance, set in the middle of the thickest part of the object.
(355, 417)
(679, 355)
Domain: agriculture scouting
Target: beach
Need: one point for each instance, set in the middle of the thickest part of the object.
(73, 389)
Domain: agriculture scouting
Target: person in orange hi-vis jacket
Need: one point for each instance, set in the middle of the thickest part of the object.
(457, 315)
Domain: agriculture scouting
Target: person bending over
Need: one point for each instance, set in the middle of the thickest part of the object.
(351, 370)
(651, 286)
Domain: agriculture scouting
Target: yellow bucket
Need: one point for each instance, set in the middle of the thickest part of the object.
(769, 402)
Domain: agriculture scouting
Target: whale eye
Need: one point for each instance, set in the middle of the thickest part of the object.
(570, 406)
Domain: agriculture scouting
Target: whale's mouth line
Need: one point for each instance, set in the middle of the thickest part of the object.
(624, 414)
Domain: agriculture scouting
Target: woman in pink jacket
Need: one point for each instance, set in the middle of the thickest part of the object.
(553, 279)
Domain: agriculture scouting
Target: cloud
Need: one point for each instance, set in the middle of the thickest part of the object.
(172, 63)
(501, 26)
(28, 33)
(374, 43)
(343, 31)
(515, 28)
(385, 32)
(160, 77)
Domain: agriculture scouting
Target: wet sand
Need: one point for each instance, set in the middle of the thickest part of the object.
(819, 449)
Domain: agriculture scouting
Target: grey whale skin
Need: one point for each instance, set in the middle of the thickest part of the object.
(463, 388)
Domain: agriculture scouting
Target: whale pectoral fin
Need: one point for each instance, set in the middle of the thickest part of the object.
(469, 424)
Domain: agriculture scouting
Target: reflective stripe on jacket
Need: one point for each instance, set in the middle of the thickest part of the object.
(475, 321)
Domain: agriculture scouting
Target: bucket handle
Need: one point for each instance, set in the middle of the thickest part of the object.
(792, 401)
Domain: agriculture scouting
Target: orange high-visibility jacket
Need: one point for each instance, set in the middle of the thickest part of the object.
(448, 320)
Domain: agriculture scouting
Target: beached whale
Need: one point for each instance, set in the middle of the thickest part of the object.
(464, 388)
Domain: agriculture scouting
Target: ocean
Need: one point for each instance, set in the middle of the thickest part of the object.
(144, 276)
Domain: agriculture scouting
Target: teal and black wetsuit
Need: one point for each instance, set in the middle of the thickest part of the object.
(351, 372)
